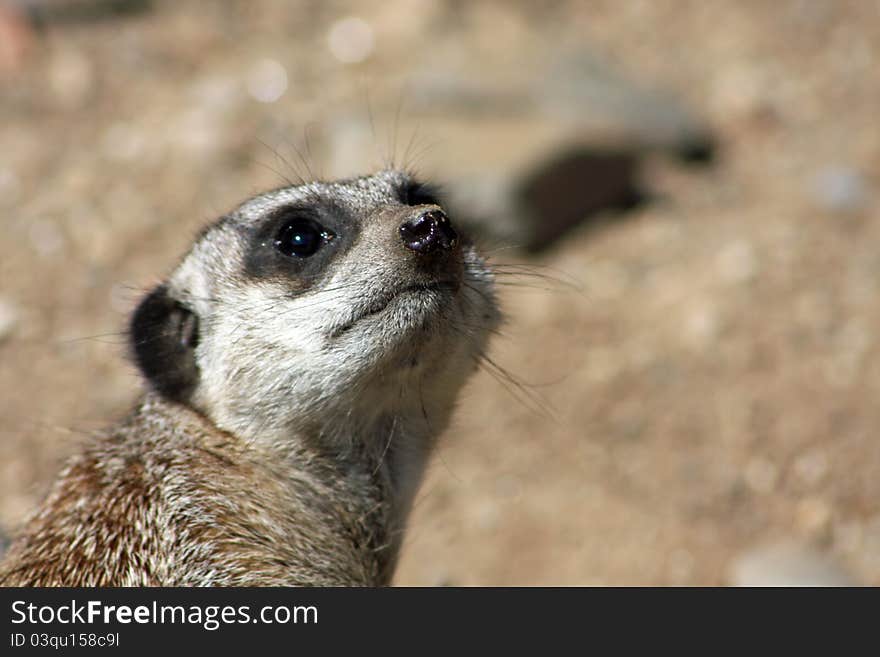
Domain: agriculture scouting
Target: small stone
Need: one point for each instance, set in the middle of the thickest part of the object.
(787, 563)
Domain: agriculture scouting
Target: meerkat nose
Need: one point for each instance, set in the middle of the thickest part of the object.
(428, 231)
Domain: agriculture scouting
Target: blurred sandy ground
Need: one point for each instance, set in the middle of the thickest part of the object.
(711, 385)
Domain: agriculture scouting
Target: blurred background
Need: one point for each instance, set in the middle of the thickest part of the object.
(681, 198)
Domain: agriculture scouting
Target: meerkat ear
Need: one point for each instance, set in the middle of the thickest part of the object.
(164, 334)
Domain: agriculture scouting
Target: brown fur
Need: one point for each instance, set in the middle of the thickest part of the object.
(167, 500)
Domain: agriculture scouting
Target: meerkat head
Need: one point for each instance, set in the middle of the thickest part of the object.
(315, 306)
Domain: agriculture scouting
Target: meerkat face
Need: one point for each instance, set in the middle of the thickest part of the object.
(312, 304)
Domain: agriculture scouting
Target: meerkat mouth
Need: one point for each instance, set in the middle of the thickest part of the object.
(381, 304)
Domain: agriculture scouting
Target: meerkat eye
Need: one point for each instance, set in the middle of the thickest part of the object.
(300, 237)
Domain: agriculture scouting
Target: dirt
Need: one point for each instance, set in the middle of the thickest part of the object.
(693, 380)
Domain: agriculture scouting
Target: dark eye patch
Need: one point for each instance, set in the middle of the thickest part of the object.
(301, 237)
(417, 193)
(295, 244)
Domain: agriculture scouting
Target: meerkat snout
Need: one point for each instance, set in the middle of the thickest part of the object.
(428, 231)
(300, 362)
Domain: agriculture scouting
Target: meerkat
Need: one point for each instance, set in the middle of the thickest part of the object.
(300, 361)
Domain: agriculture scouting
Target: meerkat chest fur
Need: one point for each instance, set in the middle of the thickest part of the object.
(301, 361)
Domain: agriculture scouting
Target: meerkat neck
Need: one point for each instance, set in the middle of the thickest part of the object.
(369, 472)
(388, 455)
